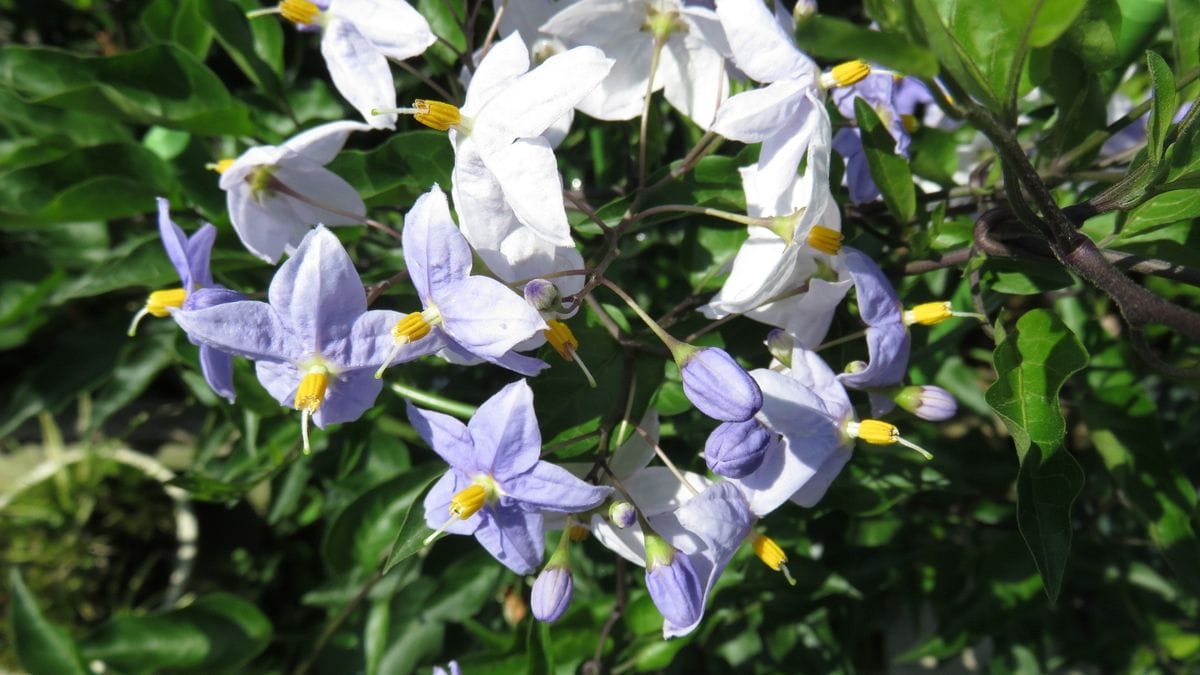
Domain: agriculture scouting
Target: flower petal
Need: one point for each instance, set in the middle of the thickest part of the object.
(199, 253)
(514, 537)
(636, 452)
(878, 303)
(322, 143)
(174, 241)
(317, 292)
(319, 188)
(435, 252)
(393, 27)
(217, 368)
(437, 505)
(547, 487)
(761, 47)
(806, 317)
(349, 394)
(693, 77)
(504, 432)
(507, 60)
(267, 228)
(448, 437)
(888, 346)
(247, 328)
(359, 71)
(486, 317)
(755, 115)
(371, 342)
(528, 174)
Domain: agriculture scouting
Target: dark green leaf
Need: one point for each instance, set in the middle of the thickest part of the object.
(233, 31)
(1032, 363)
(217, 632)
(42, 647)
(837, 39)
(1163, 209)
(1162, 108)
(401, 169)
(1095, 35)
(952, 52)
(178, 22)
(359, 535)
(890, 171)
(541, 662)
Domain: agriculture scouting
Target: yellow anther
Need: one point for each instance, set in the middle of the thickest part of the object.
(411, 328)
(825, 240)
(928, 313)
(311, 392)
(909, 122)
(437, 114)
(561, 338)
(468, 500)
(846, 74)
(301, 12)
(222, 166)
(769, 552)
(160, 301)
(877, 432)
(578, 533)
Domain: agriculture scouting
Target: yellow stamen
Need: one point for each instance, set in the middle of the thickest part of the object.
(437, 114)
(413, 327)
(578, 533)
(771, 555)
(309, 397)
(928, 313)
(468, 501)
(878, 432)
(159, 305)
(561, 338)
(845, 74)
(825, 240)
(300, 11)
(909, 122)
(220, 166)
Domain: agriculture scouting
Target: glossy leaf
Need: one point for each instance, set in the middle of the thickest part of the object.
(889, 170)
(1162, 108)
(832, 38)
(400, 169)
(42, 647)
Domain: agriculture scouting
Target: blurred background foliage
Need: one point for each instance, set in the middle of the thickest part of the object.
(149, 526)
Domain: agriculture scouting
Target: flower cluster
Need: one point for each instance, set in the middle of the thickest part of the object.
(504, 279)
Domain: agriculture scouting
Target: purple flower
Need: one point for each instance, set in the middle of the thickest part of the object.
(552, 593)
(888, 342)
(190, 257)
(469, 318)
(717, 385)
(673, 584)
(497, 487)
(622, 514)
(734, 449)
(314, 344)
(927, 402)
(894, 101)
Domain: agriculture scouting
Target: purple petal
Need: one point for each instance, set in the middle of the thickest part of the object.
(523, 365)
(718, 386)
(486, 317)
(552, 593)
(247, 328)
(848, 143)
(877, 300)
(437, 505)
(816, 487)
(199, 251)
(448, 437)
(676, 591)
(280, 379)
(504, 432)
(317, 292)
(217, 367)
(370, 342)
(512, 536)
(547, 487)
(910, 92)
(434, 250)
(734, 449)
(888, 346)
(174, 241)
(347, 397)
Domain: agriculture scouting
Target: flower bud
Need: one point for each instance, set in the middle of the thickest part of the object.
(672, 582)
(780, 345)
(734, 449)
(717, 385)
(927, 402)
(542, 295)
(805, 10)
(552, 593)
(622, 514)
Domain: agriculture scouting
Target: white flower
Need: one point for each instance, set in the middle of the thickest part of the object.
(358, 37)
(276, 193)
(691, 69)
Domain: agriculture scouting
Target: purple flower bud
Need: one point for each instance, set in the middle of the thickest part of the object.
(672, 583)
(780, 345)
(542, 294)
(717, 385)
(734, 449)
(552, 592)
(622, 514)
(927, 402)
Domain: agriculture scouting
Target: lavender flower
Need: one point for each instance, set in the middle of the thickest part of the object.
(552, 593)
(673, 584)
(888, 342)
(734, 449)
(497, 487)
(894, 101)
(470, 318)
(716, 384)
(927, 402)
(314, 344)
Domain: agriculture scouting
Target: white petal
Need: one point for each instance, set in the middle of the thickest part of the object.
(806, 317)
(627, 543)
(636, 452)
(507, 60)
(752, 116)
(694, 79)
(322, 143)
(320, 187)
(809, 369)
(596, 22)
(393, 27)
(621, 95)
(528, 174)
(765, 267)
(268, 229)
(359, 71)
(761, 47)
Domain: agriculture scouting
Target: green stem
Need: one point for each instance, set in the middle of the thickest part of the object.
(433, 401)
(663, 335)
(701, 210)
(659, 42)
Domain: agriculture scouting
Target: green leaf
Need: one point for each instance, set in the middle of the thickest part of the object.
(415, 641)
(41, 646)
(541, 662)
(217, 632)
(1095, 36)
(1185, 26)
(233, 31)
(1032, 363)
(1036, 23)
(400, 170)
(891, 171)
(951, 46)
(1162, 106)
(100, 182)
(161, 84)
(837, 39)
(1122, 422)
(359, 535)
(1163, 209)
(178, 22)
(410, 536)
